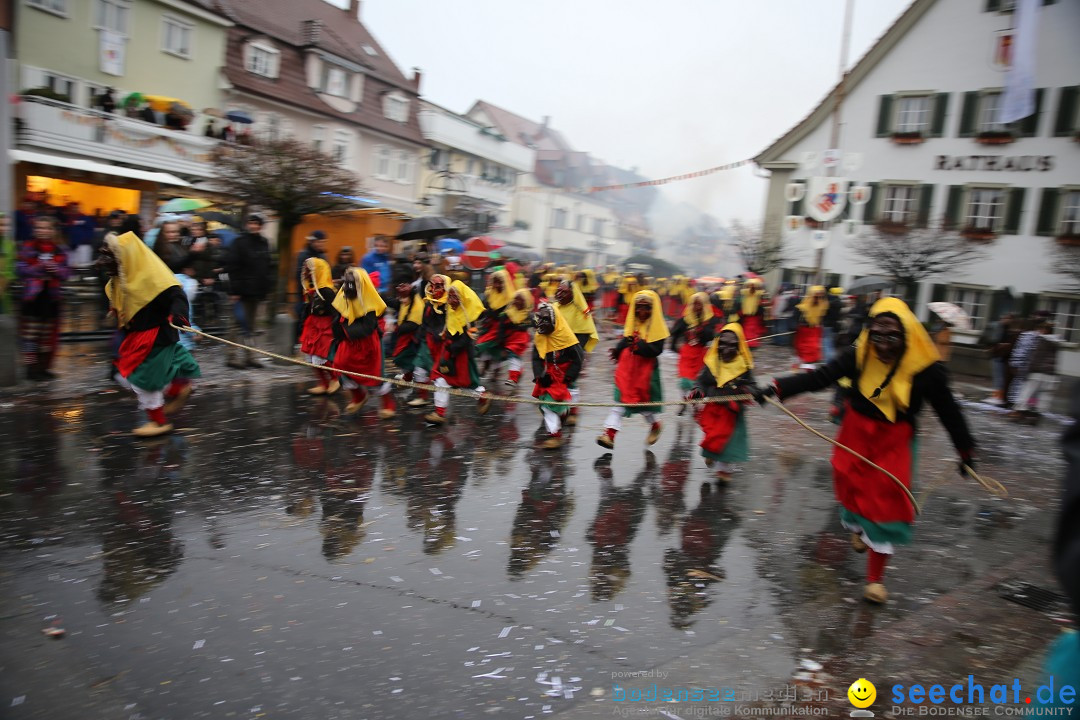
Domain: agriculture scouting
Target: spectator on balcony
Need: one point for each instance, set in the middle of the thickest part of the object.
(210, 130)
(106, 101)
(378, 261)
(148, 114)
(228, 134)
(168, 247)
(42, 267)
(251, 277)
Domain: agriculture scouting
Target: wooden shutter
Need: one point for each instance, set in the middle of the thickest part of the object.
(941, 112)
(1046, 225)
(885, 115)
(926, 197)
(1065, 122)
(870, 212)
(967, 114)
(1029, 126)
(953, 206)
(1014, 211)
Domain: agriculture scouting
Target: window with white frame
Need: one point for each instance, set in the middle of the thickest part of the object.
(335, 81)
(1070, 213)
(341, 147)
(318, 137)
(899, 204)
(268, 126)
(176, 36)
(60, 7)
(112, 15)
(1065, 312)
(403, 170)
(261, 60)
(973, 301)
(558, 218)
(988, 113)
(60, 85)
(598, 227)
(396, 107)
(985, 209)
(913, 114)
(382, 162)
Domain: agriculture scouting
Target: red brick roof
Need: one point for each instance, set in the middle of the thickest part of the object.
(521, 130)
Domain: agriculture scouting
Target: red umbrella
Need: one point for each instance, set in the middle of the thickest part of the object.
(751, 275)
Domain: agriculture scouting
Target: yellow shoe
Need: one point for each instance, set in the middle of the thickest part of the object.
(857, 543)
(435, 418)
(334, 387)
(605, 440)
(876, 593)
(553, 442)
(709, 462)
(483, 405)
(571, 420)
(152, 429)
(353, 407)
(317, 390)
(654, 433)
(417, 402)
(386, 413)
(179, 401)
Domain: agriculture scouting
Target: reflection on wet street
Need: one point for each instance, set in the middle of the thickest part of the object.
(276, 558)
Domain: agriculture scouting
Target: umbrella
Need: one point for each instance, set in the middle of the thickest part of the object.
(227, 235)
(869, 285)
(238, 116)
(181, 109)
(162, 103)
(952, 314)
(182, 205)
(133, 99)
(450, 246)
(426, 228)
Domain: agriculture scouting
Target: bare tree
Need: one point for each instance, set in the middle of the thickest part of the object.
(910, 255)
(758, 254)
(1066, 264)
(290, 179)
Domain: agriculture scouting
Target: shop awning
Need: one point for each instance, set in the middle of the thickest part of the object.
(95, 167)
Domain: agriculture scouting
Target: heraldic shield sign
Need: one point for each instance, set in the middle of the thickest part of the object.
(826, 197)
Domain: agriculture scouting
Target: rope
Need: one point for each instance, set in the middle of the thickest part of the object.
(459, 392)
(845, 448)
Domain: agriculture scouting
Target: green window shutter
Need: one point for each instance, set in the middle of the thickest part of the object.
(870, 212)
(885, 118)
(953, 209)
(941, 112)
(1014, 211)
(993, 5)
(926, 197)
(785, 276)
(1029, 126)
(1029, 304)
(1048, 211)
(937, 292)
(1065, 122)
(967, 114)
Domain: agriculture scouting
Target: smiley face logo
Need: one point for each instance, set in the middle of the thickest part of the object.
(862, 693)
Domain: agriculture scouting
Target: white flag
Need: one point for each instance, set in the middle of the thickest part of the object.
(112, 51)
(1018, 100)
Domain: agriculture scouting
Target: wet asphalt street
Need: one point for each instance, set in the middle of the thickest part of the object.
(273, 558)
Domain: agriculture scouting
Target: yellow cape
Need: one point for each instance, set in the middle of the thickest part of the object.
(471, 306)
(320, 276)
(411, 310)
(143, 276)
(688, 311)
(655, 328)
(579, 318)
(498, 300)
(628, 288)
(725, 372)
(750, 302)
(560, 338)
(589, 285)
(520, 316)
(919, 354)
(813, 313)
(367, 297)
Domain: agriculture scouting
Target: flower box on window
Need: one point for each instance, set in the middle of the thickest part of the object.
(892, 227)
(1072, 239)
(907, 138)
(978, 234)
(994, 137)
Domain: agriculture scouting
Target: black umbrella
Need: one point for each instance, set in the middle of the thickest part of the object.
(868, 285)
(426, 228)
(223, 218)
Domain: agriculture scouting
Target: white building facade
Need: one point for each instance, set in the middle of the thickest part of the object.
(919, 114)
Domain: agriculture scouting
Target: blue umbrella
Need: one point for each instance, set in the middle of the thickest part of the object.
(226, 235)
(239, 116)
(450, 245)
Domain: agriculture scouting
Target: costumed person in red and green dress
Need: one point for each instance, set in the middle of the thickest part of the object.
(585, 280)
(358, 340)
(728, 370)
(752, 311)
(148, 300)
(556, 361)
(317, 323)
(628, 287)
(808, 318)
(428, 335)
(637, 367)
(503, 341)
(405, 341)
(894, 368)
(572, 305)
(453, 354)
(695, 328)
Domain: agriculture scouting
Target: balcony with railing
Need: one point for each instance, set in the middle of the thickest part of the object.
(59, 127)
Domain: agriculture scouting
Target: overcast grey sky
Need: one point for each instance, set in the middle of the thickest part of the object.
(669, 87)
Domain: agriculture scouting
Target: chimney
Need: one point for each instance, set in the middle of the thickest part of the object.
(310, 30)
(354, 9)
(417, 76)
